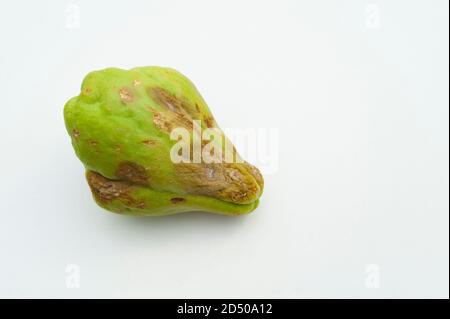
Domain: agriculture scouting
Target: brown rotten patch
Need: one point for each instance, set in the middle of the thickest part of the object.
(168, 100)
(126, 95)
(224, 181)
(174, 104)
(106, 190)
(175, 111)
(167, 121)
(133, 173)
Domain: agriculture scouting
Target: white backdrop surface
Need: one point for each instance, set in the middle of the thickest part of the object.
(357, 205)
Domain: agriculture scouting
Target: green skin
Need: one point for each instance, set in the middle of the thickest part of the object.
(117, 132)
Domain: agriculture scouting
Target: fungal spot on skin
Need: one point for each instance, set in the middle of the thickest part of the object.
(94, 146)
(161, 123)
(126, 95)
(140, 205)
(75, 133)
(149, 142)
(87, 90)
(209, 122)
(177, 200)
(132, 172)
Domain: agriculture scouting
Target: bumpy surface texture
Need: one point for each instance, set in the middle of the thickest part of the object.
(120, 126)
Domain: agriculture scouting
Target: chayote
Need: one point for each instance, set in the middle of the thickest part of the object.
(121, 126)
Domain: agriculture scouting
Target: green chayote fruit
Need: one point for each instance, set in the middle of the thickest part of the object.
(121, 125)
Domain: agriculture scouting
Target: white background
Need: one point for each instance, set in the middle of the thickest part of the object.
(358, 206)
